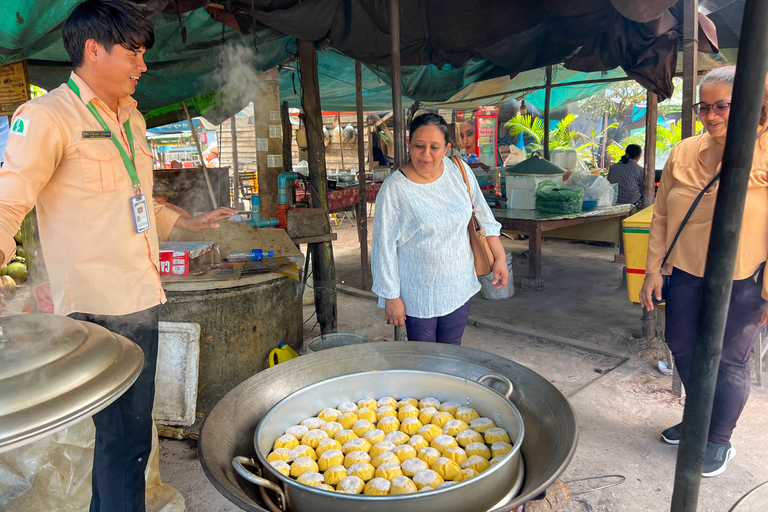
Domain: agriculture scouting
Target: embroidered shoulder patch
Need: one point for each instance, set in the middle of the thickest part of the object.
(20, 126)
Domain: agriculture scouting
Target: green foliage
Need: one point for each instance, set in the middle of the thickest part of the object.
(666, 138)
(35, 91)
(561, 137)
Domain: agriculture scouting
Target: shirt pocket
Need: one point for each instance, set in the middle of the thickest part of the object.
(102, 167)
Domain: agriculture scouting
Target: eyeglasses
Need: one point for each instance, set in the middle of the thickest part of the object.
(719, 108)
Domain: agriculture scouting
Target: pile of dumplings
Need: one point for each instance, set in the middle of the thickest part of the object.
(385, 446)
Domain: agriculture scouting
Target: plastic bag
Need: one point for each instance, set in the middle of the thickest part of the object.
(596, 188)
(558, 200)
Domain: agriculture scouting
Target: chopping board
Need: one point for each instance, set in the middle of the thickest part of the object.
(236, 236)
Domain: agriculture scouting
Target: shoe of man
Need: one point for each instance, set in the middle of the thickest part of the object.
(716, 458)
(672, 434)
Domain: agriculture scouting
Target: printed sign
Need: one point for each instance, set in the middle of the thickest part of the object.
(274, 115)
(275, 131)
(14, 87)
(262, 144)
(274, 160)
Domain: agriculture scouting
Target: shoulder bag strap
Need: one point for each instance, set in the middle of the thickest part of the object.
(458, 163)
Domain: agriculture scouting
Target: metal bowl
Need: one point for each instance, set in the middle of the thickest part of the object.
(551, 429)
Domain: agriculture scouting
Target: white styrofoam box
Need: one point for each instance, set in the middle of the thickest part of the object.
(521, 189)
(178, 358)
(565, 158)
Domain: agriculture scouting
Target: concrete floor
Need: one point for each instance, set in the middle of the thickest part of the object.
(563, 333)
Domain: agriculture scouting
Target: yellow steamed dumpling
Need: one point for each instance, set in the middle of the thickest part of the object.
(285, 441)
(389, 470)
(456, 454)
(410, 426)
(440, 418)
(329, 414)
(453, 427)
(495, 435)
(313, 423)
(384, 457)
(426, 414)
(418, 442)
(466, 414)
(407, 411)
(384, 411)
(297, 431)
(365, 413)
(428, 455)
(402, 485)
(449, 406)
(500, 448)
(429, 432)
(302, 451)
(465, 474)
(381, 447)
(427, 478)
(496, 460)
(351, 485)
(348, 419)
(377, 486)
(466, 437)
(313, 438)
(429, 401)
(302, 465)
(360, 427)
(367, 403)
(478, 449)
(477, 463)
(330, 459)
(397, 438)
(347, 407)
(357, 444)
(281, 466)
(345, 435)
(363, 470)
(331, 427)
(327, 444)
(412, 466)
(404, 452)
(335, 474)
(387, 401)
(388, 424)
(311, 478)
(355, 457)
(324, 487)
(279, 454)
(408, 401)
(443, 442)
(374, 436)
(446, 468)
(481, 424)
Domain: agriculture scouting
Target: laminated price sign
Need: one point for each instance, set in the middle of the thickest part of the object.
(14, 87)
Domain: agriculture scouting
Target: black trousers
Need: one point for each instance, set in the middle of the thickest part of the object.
(741, 333)
(124, 429)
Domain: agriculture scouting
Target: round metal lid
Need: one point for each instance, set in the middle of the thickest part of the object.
(55, 371)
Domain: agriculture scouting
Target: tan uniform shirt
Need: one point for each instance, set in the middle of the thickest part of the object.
(685, 175)
(96, 261)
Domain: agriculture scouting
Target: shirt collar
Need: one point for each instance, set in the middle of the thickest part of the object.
(124, 105)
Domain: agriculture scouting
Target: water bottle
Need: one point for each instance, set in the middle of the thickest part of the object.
(252, 255)
(282, 353)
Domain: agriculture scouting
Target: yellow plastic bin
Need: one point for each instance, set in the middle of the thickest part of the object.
(636, 229)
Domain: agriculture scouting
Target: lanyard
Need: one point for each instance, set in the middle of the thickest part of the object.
(127, 161)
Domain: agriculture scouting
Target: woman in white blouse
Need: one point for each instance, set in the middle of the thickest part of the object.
(423, 267)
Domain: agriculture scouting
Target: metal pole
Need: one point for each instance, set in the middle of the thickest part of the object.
(748, 90)
(397, 104)
(200, 153)
(690, 63)
(651, 118)
(547, 98)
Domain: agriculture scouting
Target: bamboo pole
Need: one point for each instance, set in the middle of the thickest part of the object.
(547, 98)
(362, 218)
(649, 179)
(690, 64)
(235, 165)
(200, 153)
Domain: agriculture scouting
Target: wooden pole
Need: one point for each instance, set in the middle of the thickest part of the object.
(200, 153)
(397, 104)
(362, 219)
(341, 141)
(285, 117)
(649, 180)
(269, 143)
(235, 164)
(547, 98)
(323, 268)
(690, 64)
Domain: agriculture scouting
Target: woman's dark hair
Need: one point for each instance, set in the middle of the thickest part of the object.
(108, 22)
(727, 75)
(431, 119)
(633, 151)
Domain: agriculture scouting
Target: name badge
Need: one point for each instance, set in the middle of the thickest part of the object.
(140, 213)
(90, 134)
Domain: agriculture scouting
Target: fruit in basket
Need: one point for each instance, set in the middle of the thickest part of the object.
(18, 271)
(4, 270)
(7, 285)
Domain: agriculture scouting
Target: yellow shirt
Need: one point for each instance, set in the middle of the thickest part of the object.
(685, 175)
(96, 261)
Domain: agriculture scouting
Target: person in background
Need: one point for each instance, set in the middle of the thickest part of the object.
(468, 136)
(692, 164)
(423, 266)
(211, 156)
(629, 176)
(80, 154)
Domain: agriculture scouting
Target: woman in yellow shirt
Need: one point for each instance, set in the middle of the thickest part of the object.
(693, 163)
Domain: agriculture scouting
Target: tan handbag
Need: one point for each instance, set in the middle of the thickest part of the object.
(480, 250)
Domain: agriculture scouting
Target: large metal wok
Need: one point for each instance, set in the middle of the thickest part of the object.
(550, 424)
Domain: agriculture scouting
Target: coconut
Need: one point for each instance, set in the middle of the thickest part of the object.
(4, 270)
(18, 271)
(7, 285)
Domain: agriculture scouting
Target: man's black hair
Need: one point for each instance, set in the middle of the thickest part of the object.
(109, 23)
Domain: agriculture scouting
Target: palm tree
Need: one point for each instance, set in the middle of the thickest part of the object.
(559, 138)
(666, 138)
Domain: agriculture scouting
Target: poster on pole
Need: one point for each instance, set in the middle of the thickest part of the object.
(14, 87)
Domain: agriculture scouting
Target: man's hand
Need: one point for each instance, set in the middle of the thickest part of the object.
(205, 221)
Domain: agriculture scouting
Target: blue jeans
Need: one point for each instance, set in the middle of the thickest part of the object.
(441, 329)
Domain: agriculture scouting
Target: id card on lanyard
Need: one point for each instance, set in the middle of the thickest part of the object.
(139, 201)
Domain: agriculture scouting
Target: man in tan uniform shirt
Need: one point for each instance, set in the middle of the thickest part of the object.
(63, 155)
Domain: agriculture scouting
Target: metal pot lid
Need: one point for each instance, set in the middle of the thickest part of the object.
(536, 166)
(54, 371)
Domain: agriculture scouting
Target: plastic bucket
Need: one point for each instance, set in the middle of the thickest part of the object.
(338, 339)
(488, 291)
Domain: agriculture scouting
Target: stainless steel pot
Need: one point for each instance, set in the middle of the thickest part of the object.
(479, 493)
(551, 429)
(380, 175)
